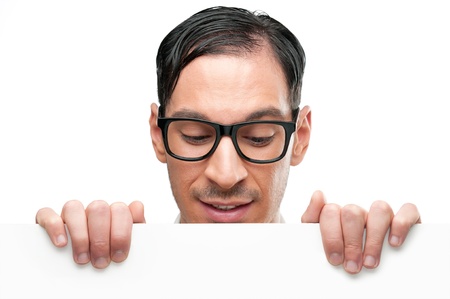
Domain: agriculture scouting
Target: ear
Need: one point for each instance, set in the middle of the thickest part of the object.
(156, 134)
(302, 136)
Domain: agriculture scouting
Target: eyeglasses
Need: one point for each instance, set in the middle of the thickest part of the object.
(261, 142)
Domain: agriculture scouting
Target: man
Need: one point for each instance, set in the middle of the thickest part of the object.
(229, 126)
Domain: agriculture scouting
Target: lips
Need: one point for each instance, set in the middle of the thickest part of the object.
(226, 213)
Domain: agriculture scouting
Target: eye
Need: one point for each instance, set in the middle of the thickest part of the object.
(195, 133)
(261, 140)
(196, 139)
(258, 140)
(258, 135)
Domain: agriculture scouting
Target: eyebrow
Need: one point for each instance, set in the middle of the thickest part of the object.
(272, 112)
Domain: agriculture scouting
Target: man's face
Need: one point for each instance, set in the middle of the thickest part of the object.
(223, 187)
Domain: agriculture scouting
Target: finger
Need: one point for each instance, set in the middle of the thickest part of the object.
(312, 213)
(74, 216)
(330, 228)
(137, 211)
(378, 222)
(99, 224)
(121, 226)
(406, 217)
(53, 225)
(353, 220)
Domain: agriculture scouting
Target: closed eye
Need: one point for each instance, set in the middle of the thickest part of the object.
(258, 141)
(197, 140)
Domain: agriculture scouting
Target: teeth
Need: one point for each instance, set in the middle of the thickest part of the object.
(225, 208)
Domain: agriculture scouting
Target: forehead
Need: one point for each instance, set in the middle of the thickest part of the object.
(229, 88)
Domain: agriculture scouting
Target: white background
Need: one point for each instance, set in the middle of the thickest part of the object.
(77, 79)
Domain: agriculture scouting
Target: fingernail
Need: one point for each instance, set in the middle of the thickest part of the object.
(395, 241)
(351, 266)
(119, 256)
(60, 240)
(369, 261)
(335, 259)
(100, 262)
(83, 258)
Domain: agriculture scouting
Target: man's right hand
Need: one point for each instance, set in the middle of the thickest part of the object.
(101, 233)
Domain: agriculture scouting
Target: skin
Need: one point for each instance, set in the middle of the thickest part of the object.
(228, 89)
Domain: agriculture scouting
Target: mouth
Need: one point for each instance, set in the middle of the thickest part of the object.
(226, 213)
(224, 208)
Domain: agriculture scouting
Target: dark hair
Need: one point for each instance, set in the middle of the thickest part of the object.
(227, 30)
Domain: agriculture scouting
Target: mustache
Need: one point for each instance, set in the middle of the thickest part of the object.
(236, 191)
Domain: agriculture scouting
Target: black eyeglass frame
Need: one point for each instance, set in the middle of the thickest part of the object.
(229, 130)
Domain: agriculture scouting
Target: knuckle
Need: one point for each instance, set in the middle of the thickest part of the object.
(334, 244)
(100, 246)
(401, 222)
(374, 242)
(72, 204)
(51, 222)
(136, 202)
(381, 206)
(41, 211)
(120, 240)
(353, 246)
(411, 207)
(331, 209)
(98, 205)
(46, 217)
(80, 243)
(117, 206)
(350, 211)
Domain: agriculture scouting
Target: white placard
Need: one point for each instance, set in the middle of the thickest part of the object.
(223, 261)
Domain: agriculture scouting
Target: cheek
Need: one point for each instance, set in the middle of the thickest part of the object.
(182, 176)
(272, 180)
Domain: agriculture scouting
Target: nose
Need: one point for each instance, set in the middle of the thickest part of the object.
(225, 167)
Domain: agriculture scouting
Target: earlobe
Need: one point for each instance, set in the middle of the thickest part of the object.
(302, 136)
(156, 134)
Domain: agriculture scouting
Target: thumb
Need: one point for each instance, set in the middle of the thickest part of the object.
(137, 211)
(312, 213)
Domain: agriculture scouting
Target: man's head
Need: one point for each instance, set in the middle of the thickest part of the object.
(221, 67)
